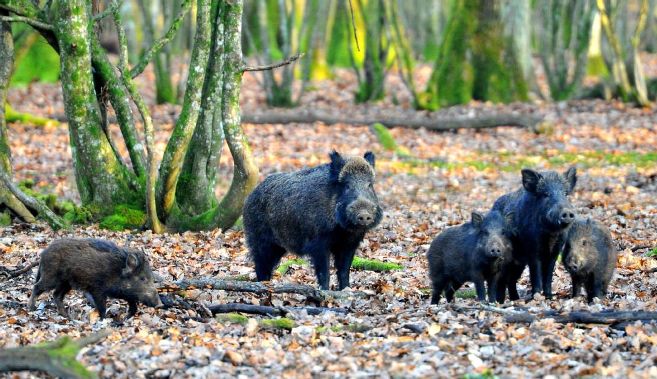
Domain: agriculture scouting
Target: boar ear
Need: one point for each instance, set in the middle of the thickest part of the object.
(477, 218)
(337, 162)
(131, 263)
(530, 179)
(571, 178)
(508, 217)
(370, 158)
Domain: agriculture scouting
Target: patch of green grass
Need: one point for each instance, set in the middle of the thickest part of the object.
(652, 253)
(285, 266)
(5, 219)
(124, 217)
(374, 265)
(278, 323)
(233, 318)
(388, 141)
(486, 374)
(466, 294)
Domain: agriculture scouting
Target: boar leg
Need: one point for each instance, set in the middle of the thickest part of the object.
(449, 292)
(266, 257)
(577, 286)
(535, 275)
(492, 289)
(61, 291)
(38, 289)
(100, 300)
(481, 289)
(438, 288)
(132, 308)
(592, 288)
(344, 256)
(548, 273)
(319, 255)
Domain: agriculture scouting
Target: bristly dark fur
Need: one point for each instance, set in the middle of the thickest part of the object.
(590, 258)
(472, 252)
(97, 267)
(317, 212)
(543, 214)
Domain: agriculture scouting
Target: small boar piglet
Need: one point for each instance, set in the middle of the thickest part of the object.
(472, 252)
(590, 258)
(99, 268)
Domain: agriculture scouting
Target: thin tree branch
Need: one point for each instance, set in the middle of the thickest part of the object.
(18, 271)
(272, 66)
(159, 44)
(151, 178)
(267, 310)
(30, 21)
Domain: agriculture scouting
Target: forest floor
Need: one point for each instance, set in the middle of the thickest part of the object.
(392, 331)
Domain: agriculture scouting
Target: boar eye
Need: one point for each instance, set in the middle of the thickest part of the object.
(584, 242)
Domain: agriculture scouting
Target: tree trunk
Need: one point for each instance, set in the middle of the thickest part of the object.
(103, 181)
(476, 60)
(6, 62)
(371, 87)
(174, 154)
(195, 191)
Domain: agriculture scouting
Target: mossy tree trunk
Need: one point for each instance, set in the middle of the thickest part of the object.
(6, 61)
(102, 179)
(181, 195)
(476, 60)
(371, 79)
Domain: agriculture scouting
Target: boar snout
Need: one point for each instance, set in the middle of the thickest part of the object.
(567, 216)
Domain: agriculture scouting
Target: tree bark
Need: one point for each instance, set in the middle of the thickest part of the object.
(174, 154)
(6, 63)
(103, 181)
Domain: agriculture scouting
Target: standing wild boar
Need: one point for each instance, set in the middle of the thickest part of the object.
(473, 252)
(99, 268)
(590, 257)
(542, 215)
(315, 212)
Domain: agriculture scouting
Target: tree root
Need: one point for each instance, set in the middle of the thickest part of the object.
(431, 122)
(56, 358)
(42, 209)
(18, 271)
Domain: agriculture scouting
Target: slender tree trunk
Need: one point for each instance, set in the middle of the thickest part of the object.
(174, 154)
(164, 89)
(195, 191)
(103, 181)
(6, 62)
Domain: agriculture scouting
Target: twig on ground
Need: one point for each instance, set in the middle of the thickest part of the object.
(272, 66)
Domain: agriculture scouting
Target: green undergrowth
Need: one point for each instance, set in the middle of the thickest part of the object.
(466, 294)
(486, 374)
(508, 162)
(68, 210)
(357, 264)
(123, 217)
(387, 141)
(282, 323)
(65, 351)
(652, 253)
(5, 218)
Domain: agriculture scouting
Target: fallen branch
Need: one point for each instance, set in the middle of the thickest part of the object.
(42, 209)
(578, 317)
(309, 292)
(55, 358)
(269, 311)
(437, 123)
(19, 271)
(273, 65)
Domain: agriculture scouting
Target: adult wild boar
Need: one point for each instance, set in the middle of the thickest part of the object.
(542, 215)
(314, 212)
(99, 268)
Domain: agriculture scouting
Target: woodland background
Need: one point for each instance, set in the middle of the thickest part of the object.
(454, 97)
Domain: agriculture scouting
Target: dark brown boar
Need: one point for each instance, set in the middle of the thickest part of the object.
(100, 268)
